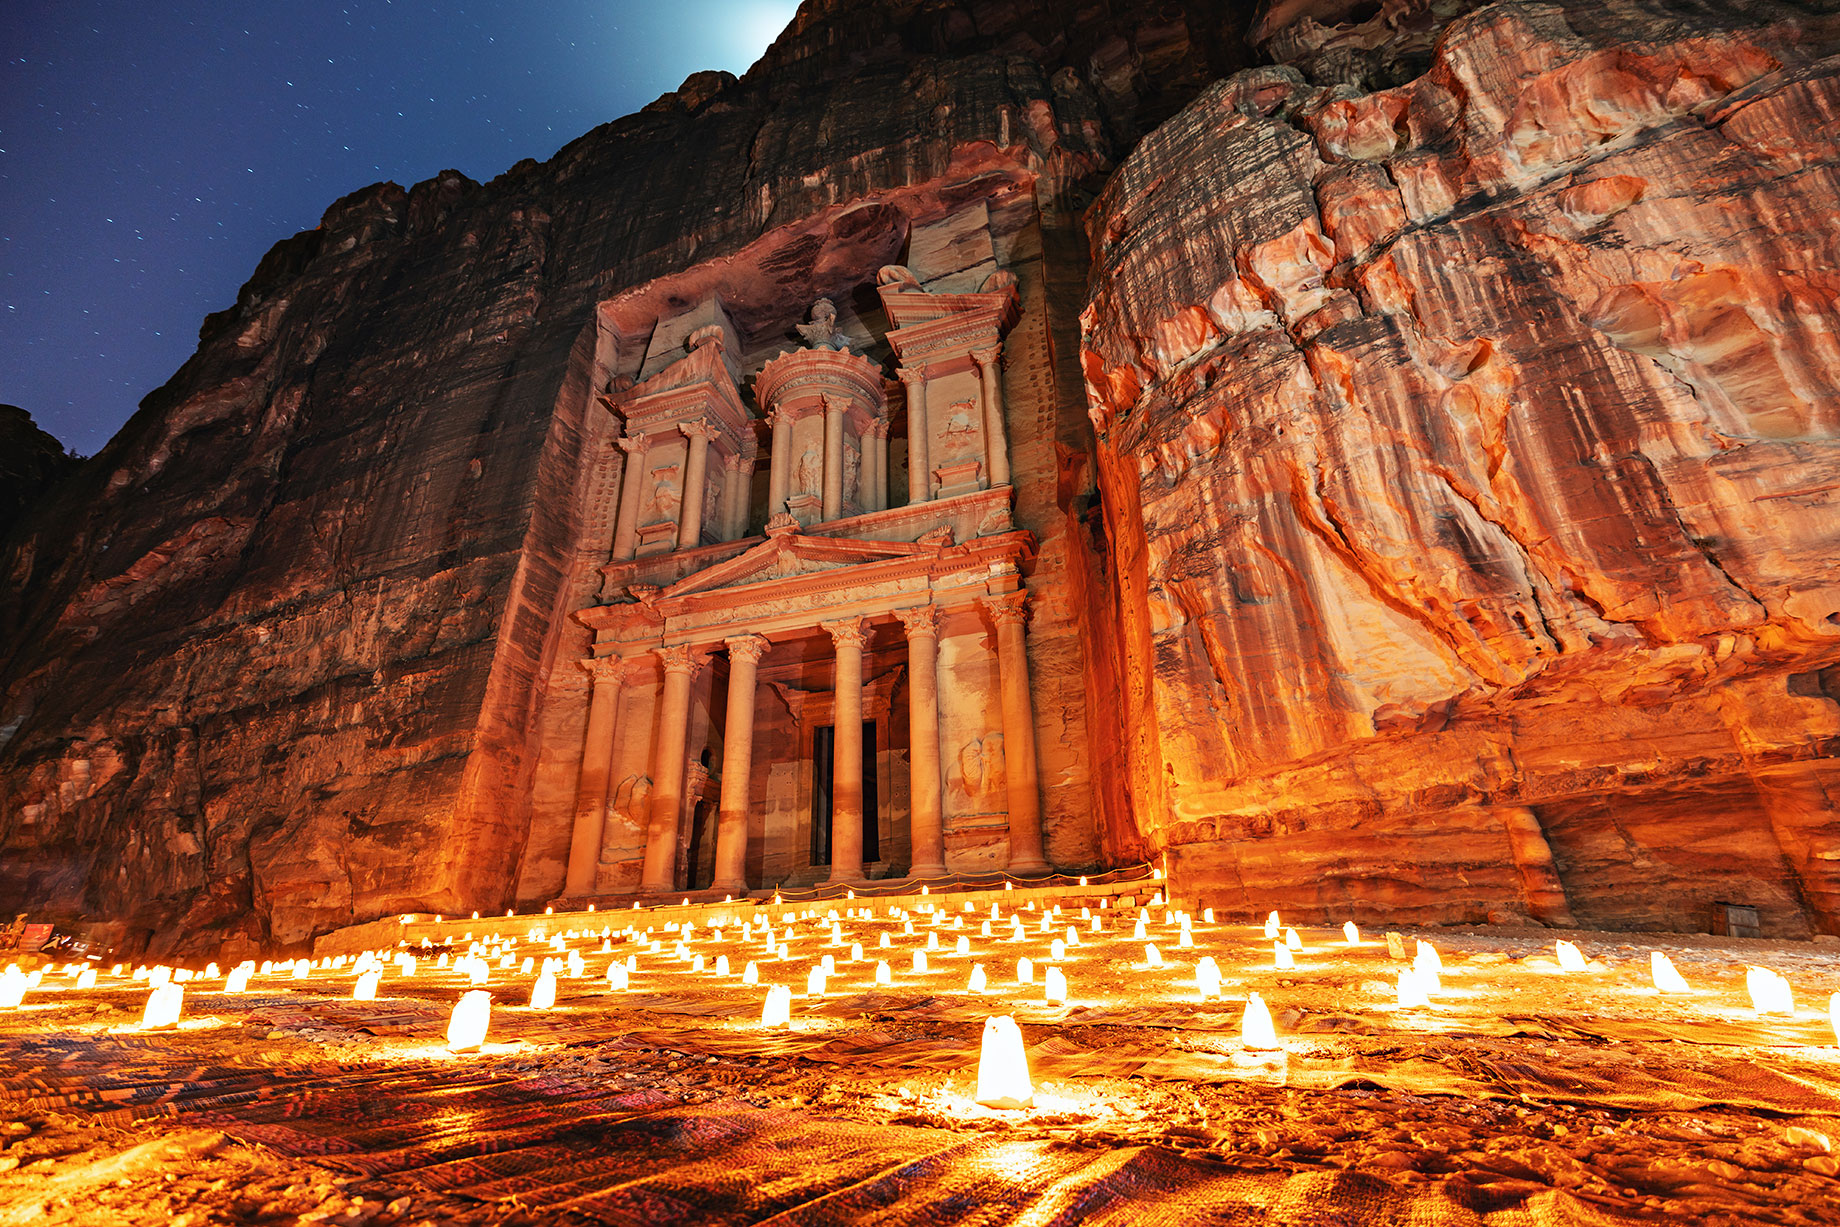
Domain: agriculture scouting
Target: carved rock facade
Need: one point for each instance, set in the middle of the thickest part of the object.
(1419, 461)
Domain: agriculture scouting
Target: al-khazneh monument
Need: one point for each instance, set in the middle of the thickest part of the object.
(809, 657)
(1380, 461)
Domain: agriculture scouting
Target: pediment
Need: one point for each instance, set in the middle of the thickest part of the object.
(786, 556)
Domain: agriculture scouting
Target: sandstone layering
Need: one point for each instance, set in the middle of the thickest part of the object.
(1420, 452)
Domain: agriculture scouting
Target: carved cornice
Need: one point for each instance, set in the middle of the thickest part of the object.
(747, 647)
(1009, 608)
(803, 375)
(920, 620)
(848, 632)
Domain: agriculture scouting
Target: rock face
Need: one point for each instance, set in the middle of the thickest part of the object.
(279, 656)
(31, 462)
(1453, 536)
(1468, 450)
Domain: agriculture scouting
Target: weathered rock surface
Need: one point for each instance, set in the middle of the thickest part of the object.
(1469, 457)
(277, 656)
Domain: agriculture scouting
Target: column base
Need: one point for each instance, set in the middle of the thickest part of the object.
(1030, 867)
(927, 871)
(737, 887)
(857, 878)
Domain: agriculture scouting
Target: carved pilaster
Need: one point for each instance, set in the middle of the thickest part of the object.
(919, 436)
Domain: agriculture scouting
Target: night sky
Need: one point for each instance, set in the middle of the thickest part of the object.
(152, 150)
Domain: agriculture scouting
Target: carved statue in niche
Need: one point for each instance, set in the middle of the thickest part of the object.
(898, 274)
(976, 782)
(822, 332)
(666, 499)
(852, 466)
(810, 476)
(960, 435)
(632, 803)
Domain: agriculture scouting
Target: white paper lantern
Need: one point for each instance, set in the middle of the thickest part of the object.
(12, 988)
(777, 1010)
(1350, 933)
(163, 1006)
(1255, 1029)
(1271, 927)
(1054, 989)
(1666, 979)
(883, 975)
(1003, 1066)
(466, 1026)
(1152, 956)
(543, 992)
(976, 982)
(1281, 956)
(1207, 977)
(1411, 990)
(366, 987)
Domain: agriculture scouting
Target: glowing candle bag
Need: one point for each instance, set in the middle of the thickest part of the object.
(1003, 1066)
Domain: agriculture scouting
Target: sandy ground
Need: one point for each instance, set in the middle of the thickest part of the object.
(1522, 1094)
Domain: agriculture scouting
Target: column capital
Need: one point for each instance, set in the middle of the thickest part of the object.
(733, 463)
(698, 429)
(920, 620)
(878, 428)
(683, 658)
(848, 632)
(603, 670)
(632, 445)
(746, 647)
(1008, 607)
(911, 375)
(988, 356)
(777, 417)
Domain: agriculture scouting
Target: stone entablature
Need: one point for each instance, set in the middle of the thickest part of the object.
(980, 514)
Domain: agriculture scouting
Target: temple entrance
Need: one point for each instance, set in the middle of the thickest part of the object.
(823, 764)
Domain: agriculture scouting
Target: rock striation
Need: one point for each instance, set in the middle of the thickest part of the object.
(1431, 410)
(1468, 451)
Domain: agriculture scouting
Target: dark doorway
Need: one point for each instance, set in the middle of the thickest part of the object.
(823, 764)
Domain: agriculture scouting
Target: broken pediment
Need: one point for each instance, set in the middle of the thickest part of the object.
(788, 554)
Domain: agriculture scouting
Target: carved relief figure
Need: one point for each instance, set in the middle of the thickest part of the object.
(632, 803)
(712, 495)
(810, 475)
(976, 782)
(666, 499)
(822, 332)
(852, 465)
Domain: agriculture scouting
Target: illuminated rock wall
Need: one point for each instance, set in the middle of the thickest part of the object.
(280, 657)
(1469, 459)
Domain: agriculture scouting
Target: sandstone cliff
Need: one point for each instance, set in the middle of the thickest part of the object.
(276, 655)
(1469, 457)
(1463, 426)
(31, 462)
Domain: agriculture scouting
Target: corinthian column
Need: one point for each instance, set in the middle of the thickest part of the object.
(626, 527)
(681, 665)
(1025, 848)
(696, 479)
(919, 464)
(926, 819)
(596, 758)
(875, 466)
(833, 458)
(990, 395)
(744, 654)
(780, 472)
(850, 638)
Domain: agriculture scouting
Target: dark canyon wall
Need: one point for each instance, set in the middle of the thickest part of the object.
(1469, 454)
